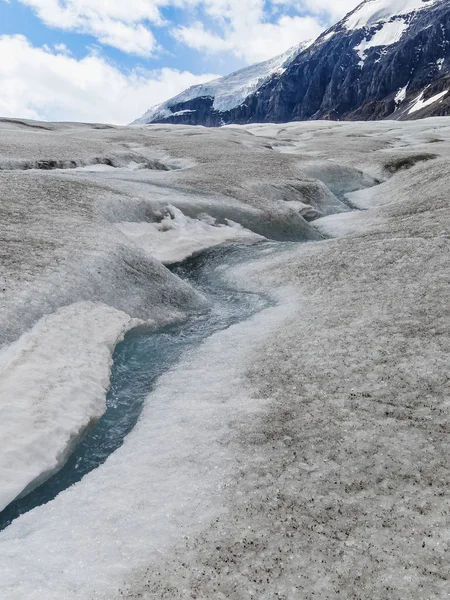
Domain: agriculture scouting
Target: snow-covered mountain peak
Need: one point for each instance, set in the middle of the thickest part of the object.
(371, 12)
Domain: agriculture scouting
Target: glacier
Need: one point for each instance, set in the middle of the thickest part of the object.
(300, 452)
(229, 91)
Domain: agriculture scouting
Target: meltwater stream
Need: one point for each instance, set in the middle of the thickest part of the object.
(145, 354)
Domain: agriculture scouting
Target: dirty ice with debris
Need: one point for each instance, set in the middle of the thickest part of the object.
(287, 287)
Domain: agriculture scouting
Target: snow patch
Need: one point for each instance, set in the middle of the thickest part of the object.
(327, 36)
(177, 236)
(400, 95)
(339, 225)
(182, 112)
(420, 103)
(54, 384)
(389, 34)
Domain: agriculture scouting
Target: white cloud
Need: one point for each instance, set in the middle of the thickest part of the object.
(50, 83)
(117, 23)
(62, 48)
(336, 9)
(330, 10)
(252, 42)
(38, 83)
(198, 38)
(243, 28)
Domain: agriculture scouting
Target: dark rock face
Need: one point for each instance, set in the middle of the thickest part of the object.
(332, 84)
(331, 80)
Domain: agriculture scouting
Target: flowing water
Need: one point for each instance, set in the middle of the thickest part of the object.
(145, 354)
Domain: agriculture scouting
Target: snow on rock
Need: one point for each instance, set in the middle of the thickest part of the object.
(182, 112)
(54, 383)
(374, 11)
(400, 95)
(177, 236)
(228, 91)
(420, 103)
(389, 34)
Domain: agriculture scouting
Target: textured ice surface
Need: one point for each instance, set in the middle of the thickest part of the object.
(165, 479)
(60, 244)
(303, 453)
(97, 234)
(176, 236)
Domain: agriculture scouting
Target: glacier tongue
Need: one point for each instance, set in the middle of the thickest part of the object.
(228, 91)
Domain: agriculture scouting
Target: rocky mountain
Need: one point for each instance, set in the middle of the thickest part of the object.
(385, 59)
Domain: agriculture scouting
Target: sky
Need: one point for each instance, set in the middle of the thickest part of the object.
(109, 61)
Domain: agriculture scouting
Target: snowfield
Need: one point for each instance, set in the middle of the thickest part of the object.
(299, 454)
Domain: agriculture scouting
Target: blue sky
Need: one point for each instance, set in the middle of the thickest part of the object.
(110, 60)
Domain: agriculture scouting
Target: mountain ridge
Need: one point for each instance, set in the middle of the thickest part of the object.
(384, 59)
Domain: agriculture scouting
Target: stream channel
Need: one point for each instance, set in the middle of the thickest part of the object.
(145, 354)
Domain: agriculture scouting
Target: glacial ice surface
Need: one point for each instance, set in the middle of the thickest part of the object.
(74, 238)
(177, 236)
(302, 453)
